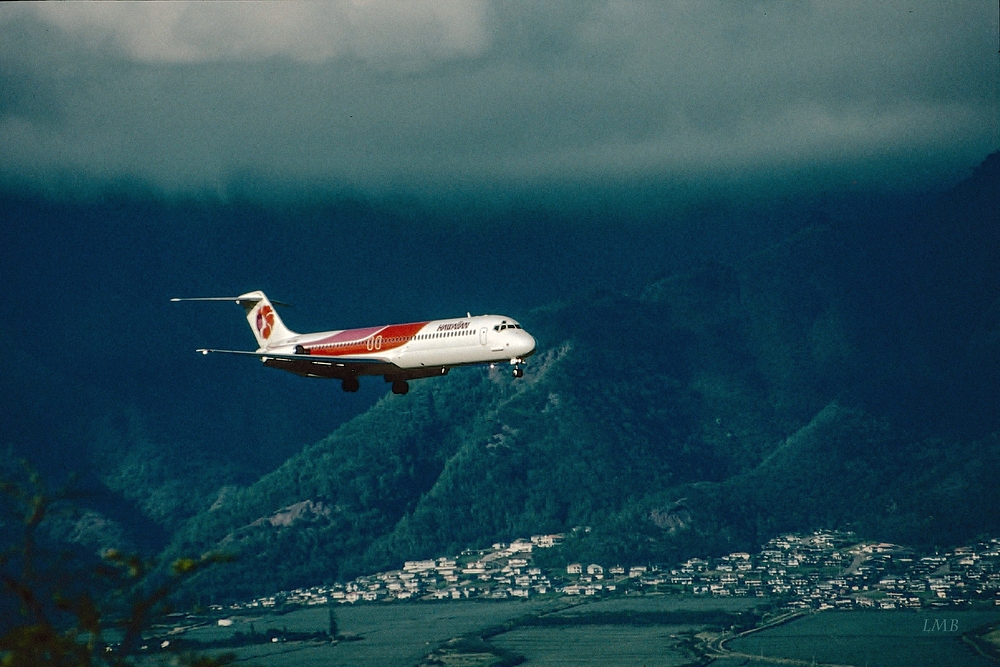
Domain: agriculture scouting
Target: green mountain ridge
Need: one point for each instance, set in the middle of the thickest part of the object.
(842, 378)
(711, 411)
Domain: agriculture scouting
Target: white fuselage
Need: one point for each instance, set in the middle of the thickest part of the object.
(454, 342)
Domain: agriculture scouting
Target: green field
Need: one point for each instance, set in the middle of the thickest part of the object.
(396, 635)
(872, 639)
(612, 644)
(657, 603)
(402, 635)
(605, 645)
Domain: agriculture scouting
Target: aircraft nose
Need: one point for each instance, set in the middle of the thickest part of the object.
(529, 344)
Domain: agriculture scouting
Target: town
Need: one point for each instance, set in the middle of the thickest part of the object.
(819, 571)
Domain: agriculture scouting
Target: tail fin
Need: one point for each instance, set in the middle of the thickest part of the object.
(267, 327)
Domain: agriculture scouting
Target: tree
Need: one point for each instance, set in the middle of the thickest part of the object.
(66, 608)
(333, 623)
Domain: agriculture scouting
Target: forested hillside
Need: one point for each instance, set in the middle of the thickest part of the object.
(843, 375)
(841, 378)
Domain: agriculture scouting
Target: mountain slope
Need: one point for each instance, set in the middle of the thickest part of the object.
(843, 377)
(715, 408)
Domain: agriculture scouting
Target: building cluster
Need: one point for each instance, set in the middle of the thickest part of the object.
(832, 570)
(503, 571)
(823, 570)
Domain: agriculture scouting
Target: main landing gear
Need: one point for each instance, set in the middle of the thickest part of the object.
(350, 384)
(400, 387)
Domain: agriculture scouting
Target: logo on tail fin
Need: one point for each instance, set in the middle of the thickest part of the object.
(265, 321)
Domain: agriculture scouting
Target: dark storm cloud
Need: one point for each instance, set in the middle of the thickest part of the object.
(370, 94)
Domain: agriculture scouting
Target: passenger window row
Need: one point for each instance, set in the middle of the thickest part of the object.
(400, 339)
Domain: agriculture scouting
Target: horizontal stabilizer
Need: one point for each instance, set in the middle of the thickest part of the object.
(234, 299)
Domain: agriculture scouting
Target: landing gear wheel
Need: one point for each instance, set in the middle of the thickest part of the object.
(350, 384)
(400, 387)
(518, 372)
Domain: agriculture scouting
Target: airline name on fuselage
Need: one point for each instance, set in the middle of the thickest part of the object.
(451, 326)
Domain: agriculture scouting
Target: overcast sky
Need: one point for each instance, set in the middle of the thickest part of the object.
(189, 96)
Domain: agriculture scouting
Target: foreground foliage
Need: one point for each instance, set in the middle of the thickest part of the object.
(63, 610)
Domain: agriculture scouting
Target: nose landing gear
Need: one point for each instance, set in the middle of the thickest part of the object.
(516, 363)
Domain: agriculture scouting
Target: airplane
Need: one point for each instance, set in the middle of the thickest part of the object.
(397, 352)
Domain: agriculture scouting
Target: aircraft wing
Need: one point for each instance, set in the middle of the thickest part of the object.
(299, 357)
(316, 365)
